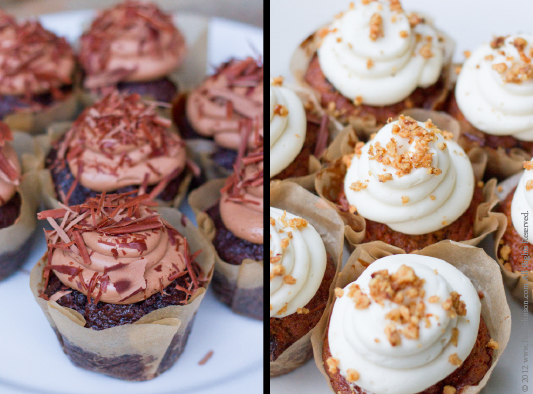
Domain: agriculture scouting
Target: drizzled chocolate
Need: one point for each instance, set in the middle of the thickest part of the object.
(132, 41)
(228, 102)
(10, 170)
(33, 60)
(120, 141)
(116, 249)
(241, 201)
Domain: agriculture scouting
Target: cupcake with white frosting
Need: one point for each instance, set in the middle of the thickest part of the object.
(375, 60)
(410, 186)
(409, 324)
(298, 132)
(494, 102)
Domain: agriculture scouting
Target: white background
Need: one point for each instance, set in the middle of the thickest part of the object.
(469, 23)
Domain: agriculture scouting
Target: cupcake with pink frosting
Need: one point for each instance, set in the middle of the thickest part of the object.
(132, 47)
(37, 70)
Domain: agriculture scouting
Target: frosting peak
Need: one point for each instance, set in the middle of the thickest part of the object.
(411, 318)
(494, 89)
(228, 101)
(32, 60)
(376, 54)
(410, 177)
(117, 250)
(121, 141)
(132, 41)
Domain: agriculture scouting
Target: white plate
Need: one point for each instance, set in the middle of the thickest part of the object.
(31, 360)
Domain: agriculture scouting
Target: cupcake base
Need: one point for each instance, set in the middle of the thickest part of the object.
(162, 89)
(10, 211)
(344, 108)
(470, 373)
(289, 329)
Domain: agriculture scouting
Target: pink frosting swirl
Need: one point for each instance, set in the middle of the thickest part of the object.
(10, 170)
(117, 250)
(241, 201)
(32, 59)
(228, 101)
(132, 41)
(121, 141)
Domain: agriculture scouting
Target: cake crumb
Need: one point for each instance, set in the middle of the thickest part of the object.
(339, 292)
(449, 390)
(332, 364)
(505, 251)
(206, 358)
(455, 336)
(302, 311)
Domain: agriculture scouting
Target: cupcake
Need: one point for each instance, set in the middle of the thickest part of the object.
(230, 212)
(299, 133)
(225, 108)
(414, 323)
(410, 186)
(133, 47)
(120, 285)
(305, 254)
(513, 246)
(17, 206)
(117, 145)
(37, 72)
(491, 101)
(374, 61)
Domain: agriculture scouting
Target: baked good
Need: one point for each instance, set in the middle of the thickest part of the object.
(412, 184)
(111, 262)
(37, 71)
(407, 324)
(374, 61)
(119, 144)
(297, 132)
(225, 108)
(132, 47)
(491, 102)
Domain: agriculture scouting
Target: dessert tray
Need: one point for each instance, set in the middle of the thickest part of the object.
(33, 361)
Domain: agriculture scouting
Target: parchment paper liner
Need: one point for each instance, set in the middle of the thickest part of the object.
(37, 122)
(367, 125)
(138, 351)
(516, 282)
(195, 31)
(331, 178)
(294, 199)
(471, 261)
(14, 239)
(48, 192)
(238, 286)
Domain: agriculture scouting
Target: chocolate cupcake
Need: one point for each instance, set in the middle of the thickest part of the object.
(373, 62)
(117, 145)
(491, 102)
(37, 72)
(411, 186)
(413, 323)
(17, 206)
(300, 133)
(513, 246)
(227, 106)
(230, 212)
(120, 285)
(133, 47)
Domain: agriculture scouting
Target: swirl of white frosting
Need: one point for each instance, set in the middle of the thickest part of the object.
(387, 69)
(487, 101)
(288, 124)
(523, 200)
(421, 201)
(297, 262)
(358, 341)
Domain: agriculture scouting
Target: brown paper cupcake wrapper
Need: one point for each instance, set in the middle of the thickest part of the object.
(329, 182)
(48, 192)
(520, 286)
(37, 122)
(296, 200)
(473, 262)
(238, 286)
(367, 125)
(138, 351)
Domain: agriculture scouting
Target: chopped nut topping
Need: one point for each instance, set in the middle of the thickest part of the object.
(441, 145)
(455, 336)
(404, 34)
(358, 147)
(376, 26)
(352, 209)
(298, 222)
(433, 197)
(493, 344)
(358, 100)
(385, 177)
(528, 165)
(278, 270)
(272, 221)
(458, 69)
(489, 57)
(395, 6)
(414, 19)
(290, 280)
(405, 199)
(529, 185)
(425, 51)
(358, 186)
(352, 375)
(455, 360)
(392, 334)
(284, 243)
(274, 259)
(505, 251)
(339, 292)
(480, 184)
(449, 390)
(433, 299)
(302, 311)
(360, 299)
(518, 73)
(281, 110)
(467, 54)
(500, 67)
(277, 81)
(332, 364)
(369, 64)
(282, 310)
(497, 42)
